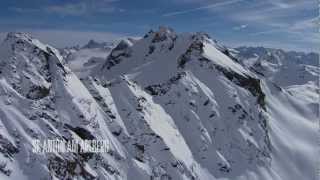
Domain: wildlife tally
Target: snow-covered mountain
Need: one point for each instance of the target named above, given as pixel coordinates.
(284, 68)
(92, 44)
(82, 60)
(173, 106)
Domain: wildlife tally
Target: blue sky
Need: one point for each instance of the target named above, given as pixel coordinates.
(288, 24)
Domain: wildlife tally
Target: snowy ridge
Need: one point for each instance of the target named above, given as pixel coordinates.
(174, 106)
(41, 98)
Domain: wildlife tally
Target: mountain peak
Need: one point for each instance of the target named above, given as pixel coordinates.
(123, 44)
(18, 36)
(22, 40)
(92, 44)
(163, 33)
(165, 29)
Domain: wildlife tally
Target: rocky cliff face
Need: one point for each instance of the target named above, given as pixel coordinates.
(172, 106)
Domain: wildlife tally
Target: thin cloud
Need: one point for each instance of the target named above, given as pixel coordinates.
(74, 9)
(23, 10)
(210, 6)
(274, 16)
(312, 23)
(301, 26)
(303, 33)
(238, 28)
(265, 32)
(280, 4)
(68, 9)
(272, 11)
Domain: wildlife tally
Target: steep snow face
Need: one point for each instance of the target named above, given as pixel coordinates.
(213, 106)
(294, 127)
(228, 116)
(26, 67)
(166, 51)
(283, 68)
(40, 98)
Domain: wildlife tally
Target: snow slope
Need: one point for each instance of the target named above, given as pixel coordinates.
(41, 98)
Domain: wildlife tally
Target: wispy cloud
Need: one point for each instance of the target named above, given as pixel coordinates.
(312, 23)
(305, 30)
(265, 32)
(279, 16)
(210, 6)
(74, 9)
(68, 9)
(238, 28)
(23, 10)
(281, 3)
(274, 12)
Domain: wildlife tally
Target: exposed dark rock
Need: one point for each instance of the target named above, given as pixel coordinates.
(38, 92)
(213, 114)
(151, 49)
(140, 151)
(7, 148)
(121, 51)
(195, 47)
(4, 170)
(224, 168)
(247, 82)
(162, 89)
(117, 133)
(81, 132)
(206, 102)
(68, 168)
